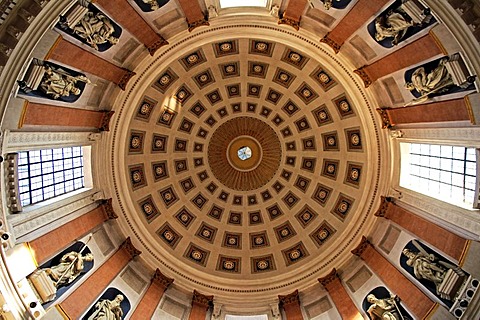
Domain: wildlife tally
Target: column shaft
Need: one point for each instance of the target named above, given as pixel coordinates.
(418, 303)
(193, 13)
(293, 13)
(49, 244)
(69, 54)
(291, 306)
(123, 13)
(353, 20)
(200, 305)
(446, 241)
(420, 50)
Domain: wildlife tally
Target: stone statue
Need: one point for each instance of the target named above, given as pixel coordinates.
(393, 25)
(327, 4)
(58, 83)
(153, 4)
(384, 309)
(96, 28)
(436, 81)
(108, 310)
(70, 267)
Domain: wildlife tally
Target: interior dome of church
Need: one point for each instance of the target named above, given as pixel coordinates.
(240, 160)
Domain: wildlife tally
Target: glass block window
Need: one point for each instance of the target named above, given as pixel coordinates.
(242, 3)
(448, 173)
(44, 174)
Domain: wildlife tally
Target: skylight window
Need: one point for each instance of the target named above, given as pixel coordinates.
(242, 3)
(259, 317)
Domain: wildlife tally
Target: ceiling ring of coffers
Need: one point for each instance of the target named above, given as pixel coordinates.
(190, 274)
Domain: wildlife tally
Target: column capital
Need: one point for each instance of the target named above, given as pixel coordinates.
(329, 278)
(202, 299)
(161, 279)
(289, 298)
(360, 249)
(195, 24)
(364, 75)
(386, 121)
(105, 121)
(153, 47)
(385, 204)
(127, 245)
(108, 209)
(330, 42)
(125, 78)
(289, 21)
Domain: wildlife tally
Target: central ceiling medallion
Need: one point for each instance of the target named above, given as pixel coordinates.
(244, 153)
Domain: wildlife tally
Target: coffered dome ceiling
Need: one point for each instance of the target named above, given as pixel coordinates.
(280, 213)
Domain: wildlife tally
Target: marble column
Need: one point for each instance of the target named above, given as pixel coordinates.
(36, 114)
(48, 245)
(69, 54)
(293, 13)
(291, 306)
(200, 305)
(422, 49)
(417, 302)
(151, 298)
(123, 13)
(443, 239)
(339, 295)
(193, 13)
(353, 20)
(79, 300)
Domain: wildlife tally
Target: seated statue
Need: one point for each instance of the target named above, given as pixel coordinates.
(96, 28)
(328, 4)
(384, 309)
(392, 25)
(58, 83)
(108, 310)
(436, 81)
(70, 267)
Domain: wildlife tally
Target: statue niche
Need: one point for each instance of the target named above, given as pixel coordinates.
(443, 76)
(380, 304)
(54, 277)
(89, 25)
(440, 276)
(112, 305)
(51, 81)
(399, 21)
(151, 5)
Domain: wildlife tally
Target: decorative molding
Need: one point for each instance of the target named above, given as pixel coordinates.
(202, 299)
(108, 209)
(289, 298)
(161, 279)
(365, 77)
(329, 278)
(153, 47)
(386, 121)
(295, 24)
(122, 84)
(127, 245)
(19, 141)
(198, 23)
(104, 123)
(335, 46)
(384, 205)
(360, 249)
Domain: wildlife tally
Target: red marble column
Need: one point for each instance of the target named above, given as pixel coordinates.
(340, 297)
(200, 305)
(123, 13)
(441, 238)
(441, 111)
(77, 302)
(44, 247)
(193, 13)
(36, 114)
(291, 306)
(69, 54)
(151, 299)
(353, 20)
(293, 13)
(418, 303)
(420, 50)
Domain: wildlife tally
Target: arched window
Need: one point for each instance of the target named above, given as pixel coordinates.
(48, 173)
(448, 173)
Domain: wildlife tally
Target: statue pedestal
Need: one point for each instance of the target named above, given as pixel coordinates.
(43, 286)
(75, 15)
(414, 11)
(34, 77)
(458, 70)
(450, 285)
